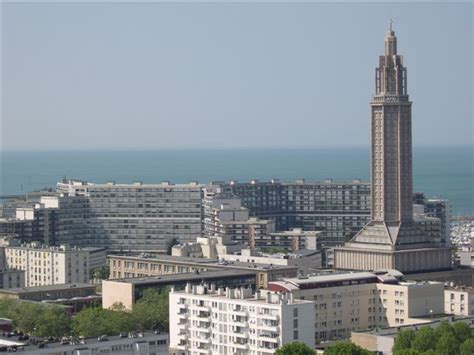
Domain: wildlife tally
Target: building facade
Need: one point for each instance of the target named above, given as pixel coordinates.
(48, 265)
(346, 302)
(139, 217)
(126, 266)
(459, 301)
(237, 321)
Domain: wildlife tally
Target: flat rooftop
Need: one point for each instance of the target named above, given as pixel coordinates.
(182, 277)
(60, 287)
(203, 262)
(393, 331)
(57, 347)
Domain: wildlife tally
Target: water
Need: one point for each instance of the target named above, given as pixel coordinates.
(438, 171)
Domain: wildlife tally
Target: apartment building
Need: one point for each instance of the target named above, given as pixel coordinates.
(126, 266)
(339, 208)
(56, 220)
(438, 208)
(459, 301)
(346, 302)
(139, 217)
(48, 265)
(207, 320)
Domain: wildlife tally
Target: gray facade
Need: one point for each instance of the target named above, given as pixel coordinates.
(139, 217)
(340, 209)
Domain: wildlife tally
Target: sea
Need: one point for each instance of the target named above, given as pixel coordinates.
(446, 172)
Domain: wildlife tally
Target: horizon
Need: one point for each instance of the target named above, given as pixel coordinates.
(164, 149)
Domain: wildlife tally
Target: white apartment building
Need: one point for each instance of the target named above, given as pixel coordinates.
(346, 302)
(204, 320)
(48, 265)
(459, 301)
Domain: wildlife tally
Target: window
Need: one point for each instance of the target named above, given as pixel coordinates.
(295, 323)
(295, 313)
(295, 334)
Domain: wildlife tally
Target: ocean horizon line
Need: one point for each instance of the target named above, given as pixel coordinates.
(207, 149)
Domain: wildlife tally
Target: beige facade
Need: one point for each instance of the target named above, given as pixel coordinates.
(347, 302)
(459, 301)
(48, 265)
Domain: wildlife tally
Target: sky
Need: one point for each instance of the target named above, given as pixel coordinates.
(226, 75)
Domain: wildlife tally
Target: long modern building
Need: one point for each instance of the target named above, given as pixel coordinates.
(392, 239)
(139, 217)
(126, 266)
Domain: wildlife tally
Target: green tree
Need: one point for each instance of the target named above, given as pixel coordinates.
(275, 250)
(93, 321)
(425, 339)
(52, 322)
(444, 328)
(403, 340)
(101, 273)
(6, 307)
(170, 245)
(25, 316)
(447, 344)
(345, 348)
(121, 319)
(151, 311)
(406, 352)
(467, 347)
(462, 331)
(295, 348)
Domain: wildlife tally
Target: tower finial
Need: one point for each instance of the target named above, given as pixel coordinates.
(390, 23)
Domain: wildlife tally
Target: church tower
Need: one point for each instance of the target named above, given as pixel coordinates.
(392, 239)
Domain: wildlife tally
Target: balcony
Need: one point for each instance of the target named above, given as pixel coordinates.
(271, 328)
(275, 317)
(269, 338)
(240, 312)
(183, 325)
(240, 346)
(202, 308)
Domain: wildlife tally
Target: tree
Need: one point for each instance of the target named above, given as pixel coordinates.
(101, 273)
(403, 340)
(295, 348)
(447, 345)
(53, 322)
(25, 316)
(170, 245)
(345, 348)
(406, 352)
(425, 339)
(467, 347)
(151, 311)
(462, 331)
(276, 250)
(6, 307)
(92, 321)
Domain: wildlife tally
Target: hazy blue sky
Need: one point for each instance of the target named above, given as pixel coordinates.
(162, 75)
